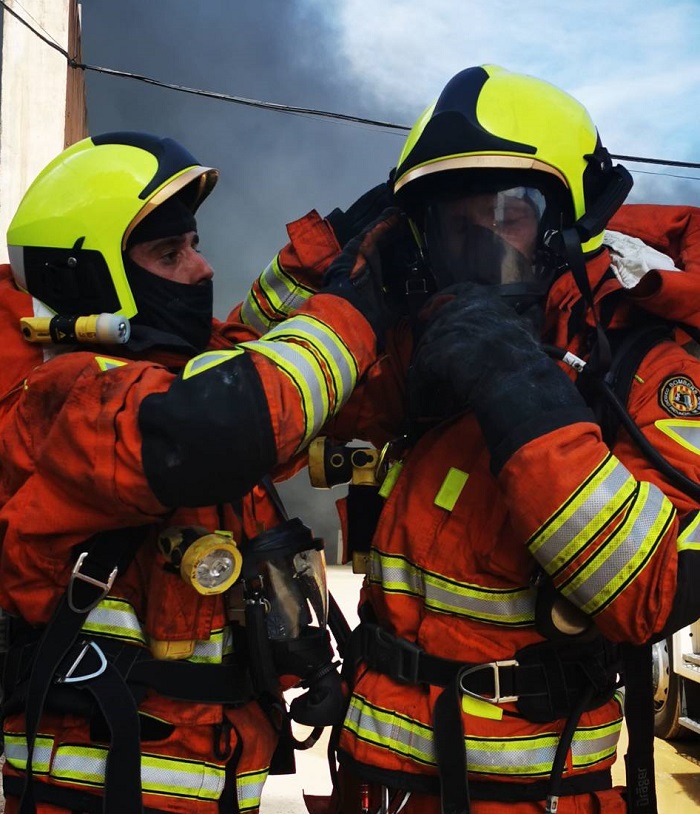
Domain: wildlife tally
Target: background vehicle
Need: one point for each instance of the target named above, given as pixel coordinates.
(676, 665)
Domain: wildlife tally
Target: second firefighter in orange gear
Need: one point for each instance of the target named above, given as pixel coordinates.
(506, 485)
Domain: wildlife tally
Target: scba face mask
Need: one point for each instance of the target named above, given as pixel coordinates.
(285, 590)
(491, 237)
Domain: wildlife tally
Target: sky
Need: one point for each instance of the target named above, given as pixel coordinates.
(636, 66)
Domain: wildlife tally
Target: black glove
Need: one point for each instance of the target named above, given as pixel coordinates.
(360, 214)
(480, 355)
(356, 274)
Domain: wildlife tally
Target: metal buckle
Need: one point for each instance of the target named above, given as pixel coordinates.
(77, 574)
(70, 678)
(497, 698)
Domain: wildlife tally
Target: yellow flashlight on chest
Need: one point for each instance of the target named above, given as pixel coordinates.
(208, 561)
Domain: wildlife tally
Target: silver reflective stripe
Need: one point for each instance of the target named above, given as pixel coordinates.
(523, 755)
(16, 752)
(514, 607)
(618, 561)
(116, 618)
(249, 788)
(281, 293)
(86, 765)
(584, 515)
(342, 365)
(212, 651)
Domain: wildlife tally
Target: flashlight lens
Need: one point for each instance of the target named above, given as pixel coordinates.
(214, 568)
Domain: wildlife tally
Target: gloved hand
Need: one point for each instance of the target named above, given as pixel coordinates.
(356, 274)
(480, 355)
(365, 210)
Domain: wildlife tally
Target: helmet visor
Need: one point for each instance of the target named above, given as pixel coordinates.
(487, 237)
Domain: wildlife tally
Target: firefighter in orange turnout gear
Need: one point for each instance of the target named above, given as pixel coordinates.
(143, 672)
(517, 550)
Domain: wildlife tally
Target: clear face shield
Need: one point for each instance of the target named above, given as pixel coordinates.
(490, 238)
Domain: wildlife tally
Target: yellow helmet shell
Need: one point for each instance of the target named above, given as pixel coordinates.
(66, 239)
(489, 118)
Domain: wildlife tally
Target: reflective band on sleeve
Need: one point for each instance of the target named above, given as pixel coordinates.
(512, 607)
(318, 363)
(274, 295)
(249, 788)
(689, 538)
(525, 755)
(599, 499)
(16, 752)
(625, 553)
(602, 537)
(85, 765)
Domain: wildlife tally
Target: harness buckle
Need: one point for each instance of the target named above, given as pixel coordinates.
(396, 657)
(69, 677)
(495, 666)
(76, 574)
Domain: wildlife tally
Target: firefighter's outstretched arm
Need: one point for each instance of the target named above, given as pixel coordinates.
(232, 415)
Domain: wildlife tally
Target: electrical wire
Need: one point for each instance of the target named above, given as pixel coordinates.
(290, 109)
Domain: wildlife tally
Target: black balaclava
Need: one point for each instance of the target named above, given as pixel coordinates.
(169, 313)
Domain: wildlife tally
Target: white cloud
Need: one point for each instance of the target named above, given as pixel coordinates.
(636, 67)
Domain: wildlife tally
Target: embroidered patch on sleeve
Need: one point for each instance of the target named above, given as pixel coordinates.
(679, 396)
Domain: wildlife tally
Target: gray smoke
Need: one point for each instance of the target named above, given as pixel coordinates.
(274, 167)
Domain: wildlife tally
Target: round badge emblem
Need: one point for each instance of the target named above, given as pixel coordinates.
(679, 396)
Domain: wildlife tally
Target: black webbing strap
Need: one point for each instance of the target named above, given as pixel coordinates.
(451, 754)
(105, 555)
(639, 715)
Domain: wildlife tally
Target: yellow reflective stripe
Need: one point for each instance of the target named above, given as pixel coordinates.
(389, 730)
(683, 432)
(616, 563)
(208, 360)
(16, 752)
(451, 489)
(213, 650)
(587, 512)
(249, 788)
(275, 297)
(513, 607)
(85, 765)
(525, 756)
(334, 352)
(115, 618)
(318, 363)
(689, 538)
(105, 363)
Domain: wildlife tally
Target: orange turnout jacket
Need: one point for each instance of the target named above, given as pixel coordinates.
(72, 442)
(457, 549)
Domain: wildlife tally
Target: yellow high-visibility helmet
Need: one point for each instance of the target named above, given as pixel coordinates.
(490, 120)
(66, 239)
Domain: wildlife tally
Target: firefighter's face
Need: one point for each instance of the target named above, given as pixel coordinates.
(485, 237)
(175, 258)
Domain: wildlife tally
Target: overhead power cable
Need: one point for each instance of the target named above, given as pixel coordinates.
(282, 108)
